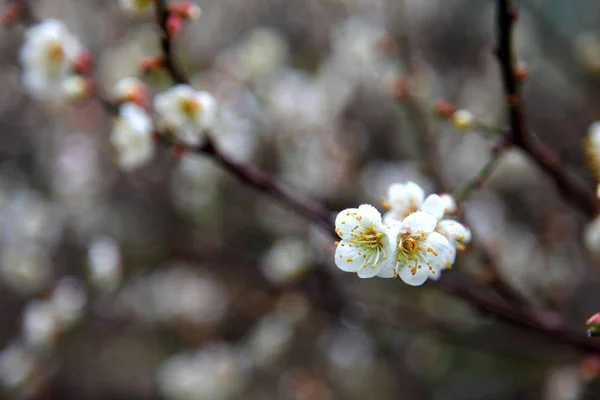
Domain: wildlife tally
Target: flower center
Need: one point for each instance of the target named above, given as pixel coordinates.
(410, 252)
(190, 107)
(55, 54)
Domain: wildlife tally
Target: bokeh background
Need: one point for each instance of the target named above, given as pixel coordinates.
(176, 281)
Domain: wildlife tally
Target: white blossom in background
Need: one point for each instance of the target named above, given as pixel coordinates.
(104, 263)
(40, 324)
(215, 372)
(463, 120)
(132, 90)
(269, 339)
(137, 6)
(17, 365)
(365, 244)
(74, 87)
(48, 56)
(68, 300)
(263, 52)
(286, 260)
(592, 148)
(25, 268)
(448, 203)
(419, 252)
(186, 113)
(351, 355)
(175, 294)
(402, 200)
(591, 235)
(132, 138)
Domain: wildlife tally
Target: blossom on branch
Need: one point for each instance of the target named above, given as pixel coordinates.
(48, 57)
(365, 244)
(132, 137)
(186, 113)
(403, 199)
(419, 252)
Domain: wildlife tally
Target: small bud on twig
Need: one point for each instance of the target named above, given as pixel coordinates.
(400, 89)
(521, 71)
(175, 24)
(84, 63)
(152, 64)
(186, 10)
(593, 325)
(444, 109)
(11, 15)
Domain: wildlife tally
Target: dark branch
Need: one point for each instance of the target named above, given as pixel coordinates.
(162, 17)
(571, 188)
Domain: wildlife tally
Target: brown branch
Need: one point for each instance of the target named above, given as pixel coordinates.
(162, 16)
(478, 297)
(571, 188)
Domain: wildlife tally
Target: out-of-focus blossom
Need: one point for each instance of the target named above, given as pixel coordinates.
(137, 6)
(269, 339)
(68, 300)
(419, 252)
(75, 88)
(591, 236)
(351, 354)
(131, 90)
(48, 56)
(40, 324)
(175, 294)
(463, 120)
(104, 263)
(262, 53)
(215, 372)
(16, 366)
(26, 268)
(286, 260)
(448, 203)
(402, 199)
(186, 113)
(365, 245)
(132, 138)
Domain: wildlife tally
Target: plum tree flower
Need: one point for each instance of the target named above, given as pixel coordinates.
(402, 199)
(186, 113)
(592, 148)
(132, 137)
(131, 89)
(48, 57)
(365, 244)
(419, 251)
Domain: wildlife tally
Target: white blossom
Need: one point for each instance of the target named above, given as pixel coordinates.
(68, 300)
(40, 323)
(463, 120)
(130, 89)
(591, 236)
(132, 137)
(402, 199)
(16, 366)
(48, 56)
(215, 372)
(365, 244)
(419, 252)
(186, 113)
(104, 263)
(448, 203)
(286, 260)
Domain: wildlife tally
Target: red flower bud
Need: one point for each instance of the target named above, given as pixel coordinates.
(444, 109)
(84, 63)
(175, 24)
(151, 64)
(186, 9)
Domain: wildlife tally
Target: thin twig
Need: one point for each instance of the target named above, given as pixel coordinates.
(570, 188)
(481, 177)
(162, 17)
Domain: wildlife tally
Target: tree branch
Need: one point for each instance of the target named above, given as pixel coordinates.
(570, 188)
(166, 44)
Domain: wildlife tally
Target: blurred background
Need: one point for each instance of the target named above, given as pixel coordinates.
(176, 281)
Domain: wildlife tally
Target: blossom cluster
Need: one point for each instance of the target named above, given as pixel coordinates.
(413, 240)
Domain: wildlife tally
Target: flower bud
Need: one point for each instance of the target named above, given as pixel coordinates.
(175, 24)
(593, 325)
(462, 120)
(131, 90)
(186, 9)
(11, 15)
(400, 89)
(84, 63)
(521, 72)
(443, 108)
(152, 64)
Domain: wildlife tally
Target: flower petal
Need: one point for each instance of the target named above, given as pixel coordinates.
(420, 221)
(347, 258)
(441, 251)
(370, 214)
(434, 205)
(417, 279)
(414, 194)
